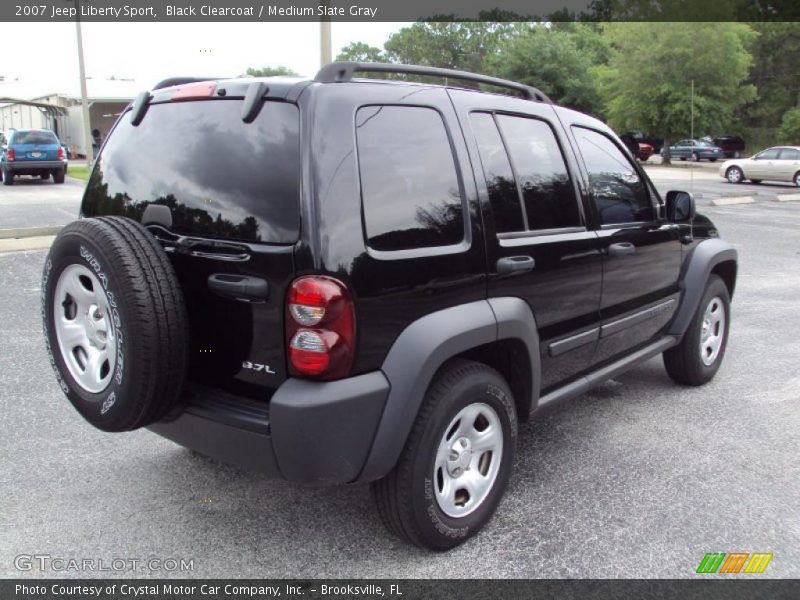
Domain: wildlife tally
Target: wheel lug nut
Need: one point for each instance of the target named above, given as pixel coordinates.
(98, 315)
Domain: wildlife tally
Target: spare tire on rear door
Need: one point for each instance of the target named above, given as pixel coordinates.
(115, 322)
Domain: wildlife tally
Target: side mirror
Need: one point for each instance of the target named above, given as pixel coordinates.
(680, 207)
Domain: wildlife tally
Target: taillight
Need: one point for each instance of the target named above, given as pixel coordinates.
(320, 327)
(10, 155)
(60, 153)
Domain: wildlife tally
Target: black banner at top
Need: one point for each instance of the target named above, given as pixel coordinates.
(408, 10)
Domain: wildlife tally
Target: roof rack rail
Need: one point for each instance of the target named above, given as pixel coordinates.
(170, 81)
(338, 72)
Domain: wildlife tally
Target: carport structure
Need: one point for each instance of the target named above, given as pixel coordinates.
(12, 114)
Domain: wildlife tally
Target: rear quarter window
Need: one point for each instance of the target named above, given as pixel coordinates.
(220, 177)
(409, 184)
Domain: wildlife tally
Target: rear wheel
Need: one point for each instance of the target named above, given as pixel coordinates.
(58, 176)
(115, 323)
(457, 460)
(734, 175)
(697, 358)
(8, 176)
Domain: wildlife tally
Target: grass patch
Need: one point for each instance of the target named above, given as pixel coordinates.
(79, 172)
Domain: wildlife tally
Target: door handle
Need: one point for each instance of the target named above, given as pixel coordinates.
(515, 264)
(239, 287)
(621, 249)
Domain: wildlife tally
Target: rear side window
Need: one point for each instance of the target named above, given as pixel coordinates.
(34, 137)
(790, 154)
(619, 193)
(220, 176)
(531, 191)
(409, 183)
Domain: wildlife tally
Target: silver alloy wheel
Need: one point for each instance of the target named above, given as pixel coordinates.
(734, 175)
(84, 330)
(468, 459)
(712, 334)
(797, 179)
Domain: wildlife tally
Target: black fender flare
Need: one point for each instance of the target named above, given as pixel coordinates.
(696, 270)
(423, 347)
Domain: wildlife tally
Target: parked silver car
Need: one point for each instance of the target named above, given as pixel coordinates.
(781, 163)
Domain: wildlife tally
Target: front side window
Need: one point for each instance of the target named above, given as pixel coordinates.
(532, 191)
(770, 154)
(620, 195)
(409, 183)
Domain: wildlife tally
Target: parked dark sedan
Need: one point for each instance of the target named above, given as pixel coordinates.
(695, 150)
(732, 146)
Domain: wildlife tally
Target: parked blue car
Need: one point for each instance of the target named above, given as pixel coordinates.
(695, 150)
(35, 152)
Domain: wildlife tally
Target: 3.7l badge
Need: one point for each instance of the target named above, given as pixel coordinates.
(257, 367)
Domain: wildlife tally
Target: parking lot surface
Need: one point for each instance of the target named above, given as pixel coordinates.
(638, 478)
(31, 202)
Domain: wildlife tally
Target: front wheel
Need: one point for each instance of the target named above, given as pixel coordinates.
(697, 358)
(734, 175)
(456, 463)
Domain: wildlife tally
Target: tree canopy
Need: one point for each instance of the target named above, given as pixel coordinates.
(270, 71)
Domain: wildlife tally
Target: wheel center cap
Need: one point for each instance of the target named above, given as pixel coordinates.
(460, 457)
(95, 326)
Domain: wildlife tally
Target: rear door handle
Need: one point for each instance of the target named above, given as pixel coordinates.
(239, 287)
(515, 264)
(621, 249)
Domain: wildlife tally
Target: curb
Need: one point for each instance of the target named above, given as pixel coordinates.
(27, 232)
(29, 243)
(732, 200)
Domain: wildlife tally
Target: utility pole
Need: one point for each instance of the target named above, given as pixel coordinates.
(325, 51)
(87, 128)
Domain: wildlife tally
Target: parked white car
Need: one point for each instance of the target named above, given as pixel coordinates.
(781, 163)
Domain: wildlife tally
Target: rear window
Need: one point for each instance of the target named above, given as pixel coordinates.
(34, 137)
(220, 176)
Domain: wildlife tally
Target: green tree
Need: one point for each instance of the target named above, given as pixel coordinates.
(453, 44)
(647, 83)
(557, 60)
(361, 52)
(789, 132)
(270, 71)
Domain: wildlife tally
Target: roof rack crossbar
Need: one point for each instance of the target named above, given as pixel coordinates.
(338, 72)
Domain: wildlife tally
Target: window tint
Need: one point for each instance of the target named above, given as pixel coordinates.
(770, 154)
(790, 154)
(619, 193)
(34, 137)
(409, 184)
(503, 194)
(221, 177)
(547, 194)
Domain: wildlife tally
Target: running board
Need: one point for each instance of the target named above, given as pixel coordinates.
(587, 382)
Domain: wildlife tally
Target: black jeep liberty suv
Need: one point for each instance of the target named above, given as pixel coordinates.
(347, 280)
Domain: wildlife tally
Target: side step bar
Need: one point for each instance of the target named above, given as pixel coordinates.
(595, 378)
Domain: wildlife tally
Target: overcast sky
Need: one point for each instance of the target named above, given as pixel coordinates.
(45, 53)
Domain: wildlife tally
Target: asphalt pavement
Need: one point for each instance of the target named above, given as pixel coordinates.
(638, 478)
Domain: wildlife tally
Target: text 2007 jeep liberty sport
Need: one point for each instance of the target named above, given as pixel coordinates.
(350, 280)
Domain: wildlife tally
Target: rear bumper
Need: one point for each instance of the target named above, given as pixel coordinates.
(310, 432)
(18, 166)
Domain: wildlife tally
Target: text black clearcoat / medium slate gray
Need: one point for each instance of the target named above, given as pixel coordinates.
(553, 309)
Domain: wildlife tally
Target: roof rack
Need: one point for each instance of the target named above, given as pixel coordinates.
(169, 82)
(338, 72)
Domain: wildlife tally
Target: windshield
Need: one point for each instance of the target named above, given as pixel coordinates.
(34, 137)
(220, 177)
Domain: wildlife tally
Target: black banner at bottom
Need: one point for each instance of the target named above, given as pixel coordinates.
(398, 589)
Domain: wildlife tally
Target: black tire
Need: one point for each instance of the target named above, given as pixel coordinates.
(683, 158)
(146, 319)
(45, 175)
(58, 176)
(406, 496)
(734, 175)
(684, 362)
(712, 159)
(797, 179)
(8, 177)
